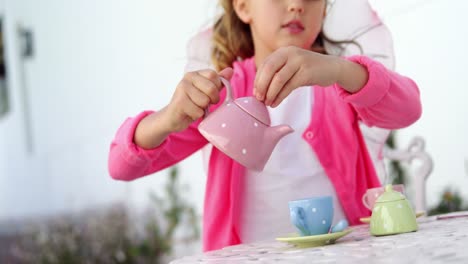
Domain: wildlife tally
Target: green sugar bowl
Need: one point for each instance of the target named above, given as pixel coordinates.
(392, 214)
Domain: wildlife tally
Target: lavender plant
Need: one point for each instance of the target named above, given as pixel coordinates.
(110, 235)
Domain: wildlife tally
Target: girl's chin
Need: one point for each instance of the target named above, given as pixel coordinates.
(296, 44)
(300, 43)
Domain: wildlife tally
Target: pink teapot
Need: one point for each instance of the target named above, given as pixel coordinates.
(241, 129)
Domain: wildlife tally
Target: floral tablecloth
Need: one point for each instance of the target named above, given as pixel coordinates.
(440, 239)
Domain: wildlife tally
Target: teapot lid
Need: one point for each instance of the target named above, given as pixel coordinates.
(390, 195)
(255, 108)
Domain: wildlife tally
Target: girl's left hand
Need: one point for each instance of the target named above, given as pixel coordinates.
(289, 68)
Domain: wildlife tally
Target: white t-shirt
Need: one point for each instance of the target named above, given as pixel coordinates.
(292, 172)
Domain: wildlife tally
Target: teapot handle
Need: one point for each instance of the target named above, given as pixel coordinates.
(228, 94)
(364, 201)
(298, 218)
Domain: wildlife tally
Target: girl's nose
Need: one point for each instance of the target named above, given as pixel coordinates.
(296, 6)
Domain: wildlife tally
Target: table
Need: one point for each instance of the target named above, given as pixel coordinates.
(440, 239)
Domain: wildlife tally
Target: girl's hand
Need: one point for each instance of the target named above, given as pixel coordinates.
(194, 93)
(289, 68)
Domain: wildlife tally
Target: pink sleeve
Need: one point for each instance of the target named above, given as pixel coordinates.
(388, 100)
(127, 161)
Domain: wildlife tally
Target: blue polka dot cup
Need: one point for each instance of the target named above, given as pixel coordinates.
(312, 216)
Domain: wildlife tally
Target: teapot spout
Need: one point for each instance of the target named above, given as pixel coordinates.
(271, 136)
(277, 132)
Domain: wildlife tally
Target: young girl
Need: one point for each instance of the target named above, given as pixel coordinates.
(275, 49)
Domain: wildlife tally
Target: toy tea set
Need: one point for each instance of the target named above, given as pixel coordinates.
(241, 129)
(313, 218)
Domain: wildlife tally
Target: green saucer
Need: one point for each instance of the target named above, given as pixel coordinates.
(313, 241)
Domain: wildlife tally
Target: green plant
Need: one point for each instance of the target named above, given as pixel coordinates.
(450, 201)
(173, 208)
(110, 235)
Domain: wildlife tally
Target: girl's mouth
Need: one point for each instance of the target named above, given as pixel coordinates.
(294, 27)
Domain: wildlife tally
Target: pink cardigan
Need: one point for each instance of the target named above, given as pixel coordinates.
(388, 100)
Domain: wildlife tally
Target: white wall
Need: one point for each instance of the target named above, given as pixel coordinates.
(97, 62)
(430, 44)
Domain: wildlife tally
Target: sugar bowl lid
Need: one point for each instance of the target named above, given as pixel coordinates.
(390, 195)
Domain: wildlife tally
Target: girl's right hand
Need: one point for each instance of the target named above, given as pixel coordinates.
(194, 93)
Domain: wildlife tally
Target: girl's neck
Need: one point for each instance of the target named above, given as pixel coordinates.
(260, 56)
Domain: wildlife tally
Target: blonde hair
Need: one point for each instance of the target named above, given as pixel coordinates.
(232, 38)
